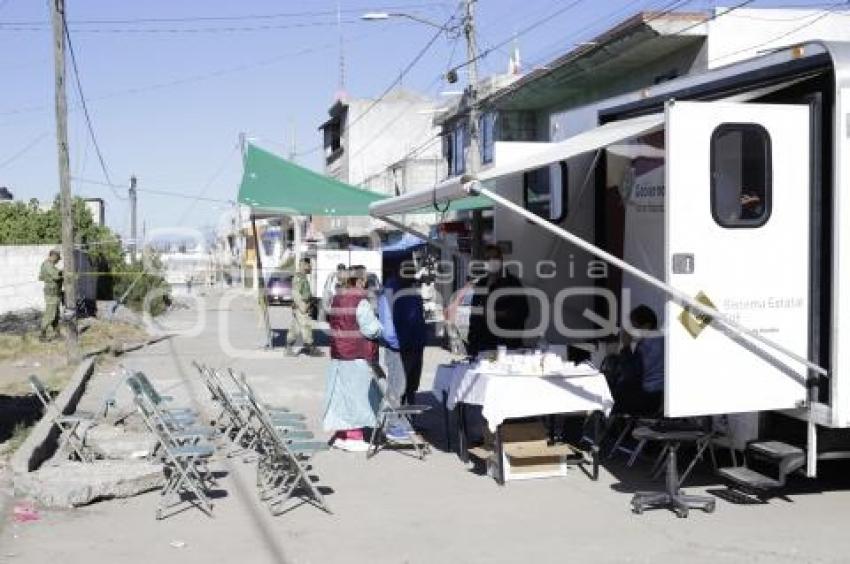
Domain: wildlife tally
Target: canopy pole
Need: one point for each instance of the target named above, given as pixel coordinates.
(261, 285)
(666, 288)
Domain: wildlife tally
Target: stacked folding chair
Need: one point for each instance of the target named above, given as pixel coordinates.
(69, 426)
(184, 447)
(237, 420)
(285, 452)
(391, 413)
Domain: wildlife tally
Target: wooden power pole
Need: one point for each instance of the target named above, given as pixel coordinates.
(134, 242)
(66, 202)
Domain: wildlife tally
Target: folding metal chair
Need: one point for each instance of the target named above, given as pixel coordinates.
(230, 418)
(185, 466)
(181, 426)
(285, 454)
(68, 425)
(389, 414)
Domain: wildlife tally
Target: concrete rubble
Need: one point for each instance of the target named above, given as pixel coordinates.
(72, 484)
(117, 443)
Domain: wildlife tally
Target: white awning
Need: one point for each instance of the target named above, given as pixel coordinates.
(450, 190)
(528, 156)
(584, 142)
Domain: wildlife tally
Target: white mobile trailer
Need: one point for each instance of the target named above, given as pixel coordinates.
(751, 222)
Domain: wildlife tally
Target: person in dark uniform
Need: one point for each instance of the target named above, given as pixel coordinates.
(492, 315)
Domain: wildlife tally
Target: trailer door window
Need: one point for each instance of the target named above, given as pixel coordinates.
(741, 180)
(545, 191)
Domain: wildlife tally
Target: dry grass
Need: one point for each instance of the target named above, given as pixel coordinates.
(98, 333)
(22, 355)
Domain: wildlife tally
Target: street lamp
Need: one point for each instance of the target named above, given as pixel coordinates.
(467, 27)
(382, 16)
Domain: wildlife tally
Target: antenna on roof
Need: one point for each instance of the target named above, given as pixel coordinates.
(340, 94)
(515, 63)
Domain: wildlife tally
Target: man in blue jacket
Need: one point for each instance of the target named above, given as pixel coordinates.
(402, 317)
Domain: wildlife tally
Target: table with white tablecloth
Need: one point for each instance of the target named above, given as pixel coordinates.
(579, 390)
(509, 396)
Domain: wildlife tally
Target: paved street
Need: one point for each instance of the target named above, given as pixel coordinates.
(398, 509)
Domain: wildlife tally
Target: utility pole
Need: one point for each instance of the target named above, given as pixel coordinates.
(238, 239)
(66, 202)
(297, 221)
(473, 163)
(473, 160)
(134, 242)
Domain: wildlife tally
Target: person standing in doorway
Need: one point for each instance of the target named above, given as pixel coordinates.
(51, 276)
(499, 307)
(301, 323)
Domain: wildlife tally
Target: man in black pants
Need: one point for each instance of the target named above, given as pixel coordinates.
(501, 295)
(409, 320)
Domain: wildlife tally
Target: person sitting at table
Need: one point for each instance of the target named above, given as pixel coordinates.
(638, 385)
(352, 398)
(492, 316)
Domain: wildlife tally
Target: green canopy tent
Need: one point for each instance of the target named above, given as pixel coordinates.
(274, 186)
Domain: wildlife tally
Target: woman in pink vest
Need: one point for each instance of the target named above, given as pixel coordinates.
(352, 398)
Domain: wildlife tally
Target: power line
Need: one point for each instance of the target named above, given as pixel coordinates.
(206, 185)
(665, 11)
(159, 192)
(819, 17)
(178, 30)
(203, 76)
(520, 33)
(232, 18)
(86, 109)
(24, 150)
(392, 85)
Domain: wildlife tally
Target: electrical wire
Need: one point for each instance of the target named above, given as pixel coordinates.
(668, 9)
(24, 150)
(203, 76)
(518, 34)
(236, 18)
(207, 184)
(85, 108)
(392, 85)
(159, 192)
(178, 30)
(819, 17)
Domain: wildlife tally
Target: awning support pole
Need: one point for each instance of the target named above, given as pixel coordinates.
(261, 285)
(678, 296)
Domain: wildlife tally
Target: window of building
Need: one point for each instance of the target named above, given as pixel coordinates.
(487, 132)
(741, 175)
(545, 191)
(448, 152)
(333, 138)
(458, 150)
(516, 126)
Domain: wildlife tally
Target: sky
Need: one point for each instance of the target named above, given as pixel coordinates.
(170, 84)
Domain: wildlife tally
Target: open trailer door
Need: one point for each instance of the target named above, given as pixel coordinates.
(737, 239)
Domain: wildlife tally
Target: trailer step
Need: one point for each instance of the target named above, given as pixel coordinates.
(750, 479)
(775, 449)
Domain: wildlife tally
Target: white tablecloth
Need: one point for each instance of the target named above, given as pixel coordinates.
(506, 397)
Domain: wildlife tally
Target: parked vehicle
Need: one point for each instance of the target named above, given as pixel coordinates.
(279, 289)
(720, 201)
